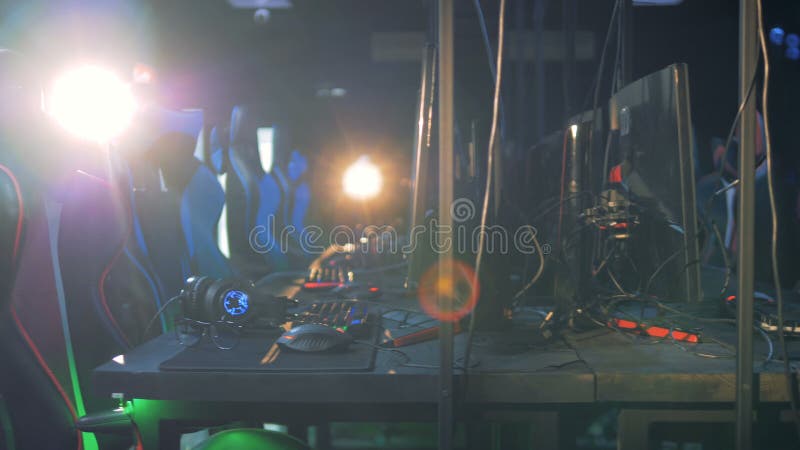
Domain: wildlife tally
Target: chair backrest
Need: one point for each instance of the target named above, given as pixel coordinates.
(62, 313)
(12, 218)
(217, 150)
(37, 369)
(22, 380)
(215, 157)
(254, 200)
(201, 200)
(296, 171)
(177, 200)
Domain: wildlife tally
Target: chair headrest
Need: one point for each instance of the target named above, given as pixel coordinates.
(152, 123)
(173, 152)
(245, 122)
(243, 127)
(218, 144)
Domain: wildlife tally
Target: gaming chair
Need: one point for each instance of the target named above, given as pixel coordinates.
(253, 197)
(51, 321)
(176, 201)
(216, 152)
(296, 201)
(62, 320)
(199, 199)
(12, 219)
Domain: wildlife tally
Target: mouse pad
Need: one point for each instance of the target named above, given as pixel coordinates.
(260, 354)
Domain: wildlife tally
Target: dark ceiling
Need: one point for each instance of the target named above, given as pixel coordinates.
(210, 55)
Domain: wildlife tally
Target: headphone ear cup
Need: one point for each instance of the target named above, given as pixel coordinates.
(195, 287)
(213, 296)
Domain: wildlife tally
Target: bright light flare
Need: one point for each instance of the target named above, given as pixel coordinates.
(92, 102)
(362, 180)
(448, 290)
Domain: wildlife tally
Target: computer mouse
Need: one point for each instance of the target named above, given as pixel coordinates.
(312, 337)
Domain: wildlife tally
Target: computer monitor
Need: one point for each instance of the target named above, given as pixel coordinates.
(556, 188)
(652, 123)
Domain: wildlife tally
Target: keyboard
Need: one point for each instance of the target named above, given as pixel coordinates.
(351, 316)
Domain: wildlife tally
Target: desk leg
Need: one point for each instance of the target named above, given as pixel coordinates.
(324, 436)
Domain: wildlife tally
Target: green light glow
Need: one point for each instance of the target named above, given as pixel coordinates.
(53, 212)
(251, 439)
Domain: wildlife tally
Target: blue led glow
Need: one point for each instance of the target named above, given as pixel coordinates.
(792, 40)
(235, 302)
(776, 35)
(793, 53)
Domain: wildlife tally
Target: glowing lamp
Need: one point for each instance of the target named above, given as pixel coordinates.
(362, 180)
(776, 35)
(92, 103)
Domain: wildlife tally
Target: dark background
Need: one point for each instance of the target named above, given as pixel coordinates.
(210, 55)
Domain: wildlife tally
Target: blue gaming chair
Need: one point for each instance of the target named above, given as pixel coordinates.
(254, 197)
(296, 199)
(200, 199)
(177, 201)
(216, 154)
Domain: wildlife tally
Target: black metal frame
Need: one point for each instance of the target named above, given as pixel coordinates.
(748, 63)
(446, 140)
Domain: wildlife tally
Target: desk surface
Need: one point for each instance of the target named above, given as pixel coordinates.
(510, 368)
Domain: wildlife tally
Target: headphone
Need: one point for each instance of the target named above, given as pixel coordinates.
(207, 299)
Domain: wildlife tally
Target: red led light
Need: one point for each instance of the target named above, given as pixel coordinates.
(626, 324)
(657, 332)
(654, 331)
(615, 176)
(321, 285)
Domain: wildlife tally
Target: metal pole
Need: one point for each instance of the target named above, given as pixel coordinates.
(748, 62)
(445, 86)
(422, 146)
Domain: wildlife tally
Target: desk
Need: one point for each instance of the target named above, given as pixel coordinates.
(514, 372)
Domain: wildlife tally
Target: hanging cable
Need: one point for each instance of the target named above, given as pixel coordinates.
(539, 271)
(598, 77)
(599, 80)
(158, 314)
(728, 141)
(490, 55)
(774, 217)
(489, 168)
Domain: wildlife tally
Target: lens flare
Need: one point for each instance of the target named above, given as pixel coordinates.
(448, 291)
(362, 180)
(92, 103)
